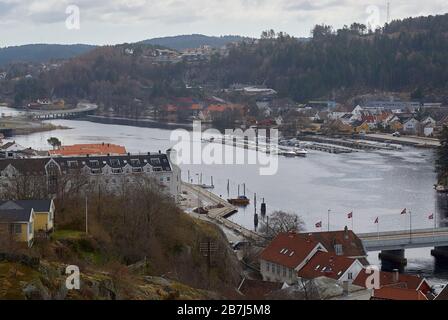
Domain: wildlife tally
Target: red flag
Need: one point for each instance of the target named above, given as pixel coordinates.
(319, 224)
(431, 216)
(350, 215)
(377, 220)
(404, 211)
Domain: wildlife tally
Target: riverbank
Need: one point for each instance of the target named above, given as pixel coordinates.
(16, 127)
(143, 123)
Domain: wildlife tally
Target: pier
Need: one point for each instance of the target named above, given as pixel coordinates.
(220, 210)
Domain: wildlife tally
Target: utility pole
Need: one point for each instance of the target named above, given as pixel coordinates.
(87, 220)
(388, 12)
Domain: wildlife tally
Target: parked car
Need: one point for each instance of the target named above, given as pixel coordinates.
(396, 134)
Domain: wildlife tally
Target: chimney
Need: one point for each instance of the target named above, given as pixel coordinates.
(346, 233)
(395, 276)
(345, 289)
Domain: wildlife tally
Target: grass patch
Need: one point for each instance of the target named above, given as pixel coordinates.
(67, 235)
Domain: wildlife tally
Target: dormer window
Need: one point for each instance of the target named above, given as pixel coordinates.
(94, 163)
(135, 162)
(72, 164)
(115, 162)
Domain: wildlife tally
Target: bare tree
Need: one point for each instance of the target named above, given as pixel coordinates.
(281, 221)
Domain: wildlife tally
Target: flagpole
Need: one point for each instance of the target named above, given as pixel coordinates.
(329, 220)
(410, 225)
(378, 228)
(353, 218)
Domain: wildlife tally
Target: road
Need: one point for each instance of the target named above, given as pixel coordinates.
(418, 141)
(404, 239)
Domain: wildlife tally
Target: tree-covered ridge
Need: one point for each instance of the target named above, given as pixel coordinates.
(41, 52)
(401, 56)
(407, 56)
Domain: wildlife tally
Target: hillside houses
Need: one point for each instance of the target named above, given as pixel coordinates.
(299, 259)
(293, 256)
(423, 122)
(188, 109)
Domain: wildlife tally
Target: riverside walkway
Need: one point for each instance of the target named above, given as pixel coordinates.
(220, 210)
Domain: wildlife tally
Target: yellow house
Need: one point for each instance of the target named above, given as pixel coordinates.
(17, 222)
(22, 219)
(363, 128)
(396, 126)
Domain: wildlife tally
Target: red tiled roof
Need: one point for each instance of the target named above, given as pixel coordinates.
(90, 149)
(324, 264)
(392, 293)
(405, 281)
(351, 244)
(288, 249)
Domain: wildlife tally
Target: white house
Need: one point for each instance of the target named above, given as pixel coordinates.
(12, 146)
(411, 126)
(285, 256)
(325, 264)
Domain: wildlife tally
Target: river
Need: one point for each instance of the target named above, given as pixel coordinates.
(369, 184)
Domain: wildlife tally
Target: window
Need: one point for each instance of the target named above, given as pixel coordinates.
(95, 171)
(168, 179)
(117, 170)
(278, 269)
(30, 228)
(94, 163)
(155, 161)
(290, 273)
(284, 271)
(72, 164)
(114, 162)
(338, 249)
(15, 228)
(267, 266)
(135, 162)
(350, 276)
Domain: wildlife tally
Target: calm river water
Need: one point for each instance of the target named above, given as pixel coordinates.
(371, 184)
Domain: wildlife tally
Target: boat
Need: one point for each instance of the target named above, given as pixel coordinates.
(301, 152)
(441, 188)
(289, 154)
(241, 201)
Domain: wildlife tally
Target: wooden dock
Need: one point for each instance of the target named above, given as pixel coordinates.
(221, 211)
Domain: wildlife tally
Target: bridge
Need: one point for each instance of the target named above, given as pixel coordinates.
(399, 240)
(393, 244)
(80, 110)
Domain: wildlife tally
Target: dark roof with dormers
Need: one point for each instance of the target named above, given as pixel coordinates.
(37, 165)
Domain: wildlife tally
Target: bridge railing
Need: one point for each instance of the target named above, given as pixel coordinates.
(401, 232)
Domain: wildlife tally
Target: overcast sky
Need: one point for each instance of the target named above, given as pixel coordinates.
(118, 21)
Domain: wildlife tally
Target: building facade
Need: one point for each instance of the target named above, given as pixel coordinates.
(108, 172)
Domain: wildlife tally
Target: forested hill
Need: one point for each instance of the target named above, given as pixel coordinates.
(401, 56)
(41, 52)
(192, 41)
(407, 56)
